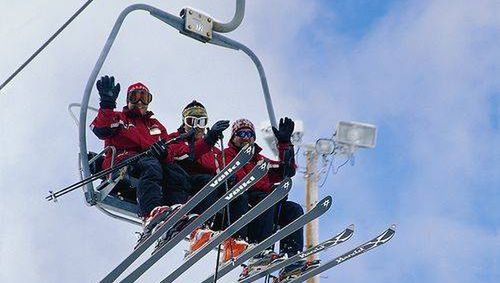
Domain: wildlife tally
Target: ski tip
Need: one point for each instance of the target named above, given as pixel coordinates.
(287, 183)
(326, 202)
(393, 227)
(351, 227)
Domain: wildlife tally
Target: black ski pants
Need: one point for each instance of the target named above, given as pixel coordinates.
(149, 188)
(286, 213)
(280, 215)
(237, 208)
(180, 186)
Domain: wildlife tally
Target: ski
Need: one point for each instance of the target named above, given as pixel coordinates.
(238, 162)
(378, 241)
(314, 213)
(259, 171)
(338, 239)
(274, 197)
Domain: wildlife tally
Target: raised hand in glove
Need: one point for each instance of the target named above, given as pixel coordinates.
(215, 132)
(284, 133)
(159, 150)
(108, 92)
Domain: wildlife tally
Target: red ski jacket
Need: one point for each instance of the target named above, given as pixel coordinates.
(275, 173)
(207, 163)
(131, 133)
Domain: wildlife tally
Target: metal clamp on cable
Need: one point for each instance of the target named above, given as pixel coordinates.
(197, 25)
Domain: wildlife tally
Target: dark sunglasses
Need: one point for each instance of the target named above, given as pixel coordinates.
(142, 95)
(246, 134)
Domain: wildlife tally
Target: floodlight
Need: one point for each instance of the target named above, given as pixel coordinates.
(354, 134)
(268, 136)
(325, 146)
(298, 132)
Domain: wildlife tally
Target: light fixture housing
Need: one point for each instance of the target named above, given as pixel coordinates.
(355, 134)
(325, 146)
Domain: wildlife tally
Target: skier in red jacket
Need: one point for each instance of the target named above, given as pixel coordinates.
(135, 130)
(188, 174)
(243, 132)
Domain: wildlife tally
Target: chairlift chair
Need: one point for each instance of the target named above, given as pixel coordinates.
(115, 195)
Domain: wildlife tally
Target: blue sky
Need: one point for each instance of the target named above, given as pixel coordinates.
(425, 72)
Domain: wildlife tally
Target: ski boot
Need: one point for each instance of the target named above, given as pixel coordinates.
(172, 232)
(233, 248)
(260, 262)
(150, 222)
(198, 238)
(295, 270)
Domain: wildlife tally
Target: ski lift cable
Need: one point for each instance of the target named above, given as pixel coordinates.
(46, 43)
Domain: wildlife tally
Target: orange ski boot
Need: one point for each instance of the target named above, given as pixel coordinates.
(198, 238)
(233, 248)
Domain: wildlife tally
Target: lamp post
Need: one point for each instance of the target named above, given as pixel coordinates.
(311, 176)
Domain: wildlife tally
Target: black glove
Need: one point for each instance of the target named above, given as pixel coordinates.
(215, 132)
(159, 150)
(108, 92)
(284, 134)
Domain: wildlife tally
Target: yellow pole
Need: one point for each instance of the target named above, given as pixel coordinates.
(312, 228)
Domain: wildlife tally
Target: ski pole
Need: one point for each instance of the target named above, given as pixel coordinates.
(223, 214)
(54, 195)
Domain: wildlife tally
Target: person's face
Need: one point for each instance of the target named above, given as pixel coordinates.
(198, 122)
(199, 132)
(143, 108)
(243, 137)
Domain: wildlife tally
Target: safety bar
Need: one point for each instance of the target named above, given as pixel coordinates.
(73, 105)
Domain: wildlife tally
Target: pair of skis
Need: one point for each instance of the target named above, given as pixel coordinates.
(375, 242)
(245, 154)
(268, 270)
(323, 206)
(274, 197)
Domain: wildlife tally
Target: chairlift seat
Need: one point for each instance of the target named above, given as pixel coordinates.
(120, 184)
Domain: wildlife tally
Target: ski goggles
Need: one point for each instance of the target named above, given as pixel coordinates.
(245, 134)
(193, 121)
(139, 94)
